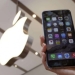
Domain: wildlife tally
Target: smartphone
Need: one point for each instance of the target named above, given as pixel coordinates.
(59, 37)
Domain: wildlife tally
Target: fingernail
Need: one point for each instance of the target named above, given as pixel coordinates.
(43, 44)
(43, 53)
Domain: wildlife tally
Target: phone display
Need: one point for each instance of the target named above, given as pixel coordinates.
(59, 33)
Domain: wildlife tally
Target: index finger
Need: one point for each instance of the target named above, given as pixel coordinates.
(42, 39)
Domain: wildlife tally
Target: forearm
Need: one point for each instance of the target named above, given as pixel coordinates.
(71, 72)
(66, 72)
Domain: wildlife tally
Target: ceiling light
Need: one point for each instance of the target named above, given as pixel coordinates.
(36, 53)
(34, 16)
(16, 66)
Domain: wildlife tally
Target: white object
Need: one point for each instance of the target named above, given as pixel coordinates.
(54, 18)
(13, 42)
(54, 24)
(55, 29)
(16, 18)
(34, 16)
(71, 41)
(50, 42)
(36, 53)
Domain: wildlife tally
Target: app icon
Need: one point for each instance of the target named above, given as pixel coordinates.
(57, 42)
(48, 24)
(64, 41)
(48, 19)
(67, 56)
(66, 18)
(68, 28)
(63, 35)
(54, 24)
(71, 41)
(52, 56)
(56, 36)
(73, 55)
(50, 42)
(49, 29)
(61, 23)
(55, 29)
(60, 56)
(69, 35)
(54, 18)
(50, 36)
(67, 23)
(60, 18)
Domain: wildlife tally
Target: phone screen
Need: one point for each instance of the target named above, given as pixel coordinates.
(59, 32)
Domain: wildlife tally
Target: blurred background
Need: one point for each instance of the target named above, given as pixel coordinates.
(32, 64)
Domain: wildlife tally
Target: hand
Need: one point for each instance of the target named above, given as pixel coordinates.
(63, 71)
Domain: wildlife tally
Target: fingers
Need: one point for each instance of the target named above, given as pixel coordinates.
(43, 44)
(42, 39)
(44, 61)
(44, 47)
(43, 55)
